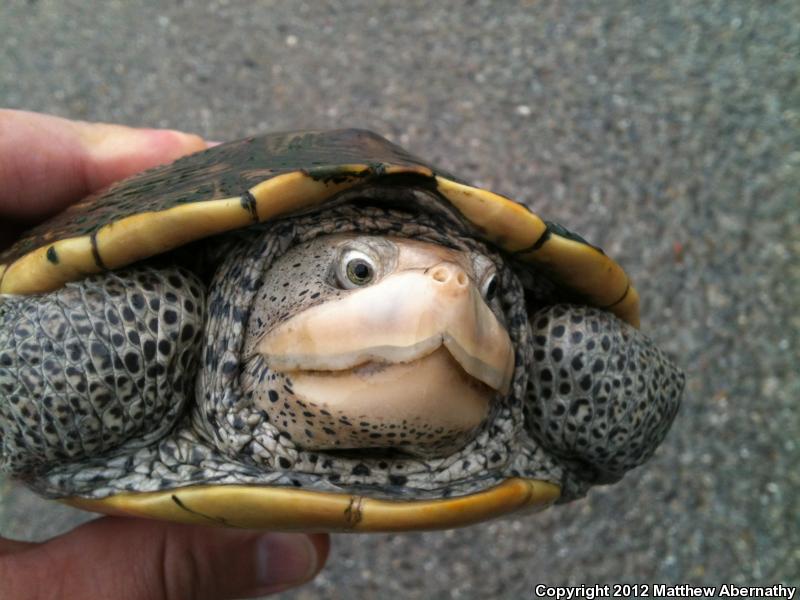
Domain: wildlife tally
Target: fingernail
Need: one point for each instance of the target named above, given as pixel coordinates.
(210, 144)
(285, 560)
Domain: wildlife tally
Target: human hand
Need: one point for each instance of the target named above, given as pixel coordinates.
(46, 163)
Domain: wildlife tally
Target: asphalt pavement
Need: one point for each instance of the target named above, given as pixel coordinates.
(667, 133)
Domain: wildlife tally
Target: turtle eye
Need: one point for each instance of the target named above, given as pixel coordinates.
(356, 269)
(489, 286)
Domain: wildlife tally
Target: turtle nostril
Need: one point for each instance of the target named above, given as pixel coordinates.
(441, 274)
(449, 273)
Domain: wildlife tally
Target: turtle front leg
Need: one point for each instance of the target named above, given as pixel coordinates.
(98, 362)
(601, 395)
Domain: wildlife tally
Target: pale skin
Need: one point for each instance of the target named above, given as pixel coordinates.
(46, 163)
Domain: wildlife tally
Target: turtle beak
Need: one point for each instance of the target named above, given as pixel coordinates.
(402, 318)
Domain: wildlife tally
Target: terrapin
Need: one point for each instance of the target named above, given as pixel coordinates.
(319, 331)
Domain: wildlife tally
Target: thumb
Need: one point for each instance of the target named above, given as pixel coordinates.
(47, 162)
(136, 559)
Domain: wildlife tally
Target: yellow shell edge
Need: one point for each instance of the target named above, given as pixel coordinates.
(577, 265)
(588, 271)
(504, 222)
(147, 234)
(293, 509)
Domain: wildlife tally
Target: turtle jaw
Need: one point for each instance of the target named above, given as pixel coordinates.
(412, 362)
(402, 319)
(425, 407)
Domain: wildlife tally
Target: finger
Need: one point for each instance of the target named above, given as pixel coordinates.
(134, 559)
(9, 546)
(47, 162)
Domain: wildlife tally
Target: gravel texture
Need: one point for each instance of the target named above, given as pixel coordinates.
(666, 132)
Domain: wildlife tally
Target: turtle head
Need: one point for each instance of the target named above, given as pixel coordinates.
(378, 342)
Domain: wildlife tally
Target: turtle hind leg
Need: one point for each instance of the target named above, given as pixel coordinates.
(601, 396)
(98, 362)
